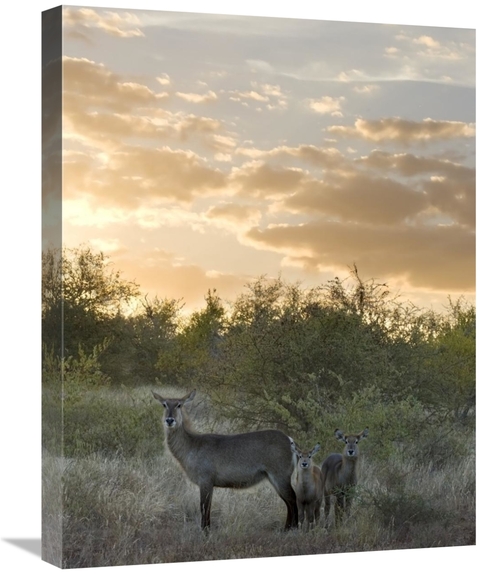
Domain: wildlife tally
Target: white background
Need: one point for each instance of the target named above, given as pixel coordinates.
(20, 475)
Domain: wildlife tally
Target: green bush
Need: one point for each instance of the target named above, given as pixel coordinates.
(401, 510)
(113, 423)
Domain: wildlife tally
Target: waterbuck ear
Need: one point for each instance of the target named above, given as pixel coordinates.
(293, 446)
(339, 434)
(364, 434)
(188, 398)
(158, 397)
(315, 449)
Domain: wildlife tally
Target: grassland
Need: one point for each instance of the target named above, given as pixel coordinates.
(126, 501)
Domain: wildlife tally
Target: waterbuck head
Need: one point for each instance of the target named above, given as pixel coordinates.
(304, 458)
(173, 409)
(351, 442)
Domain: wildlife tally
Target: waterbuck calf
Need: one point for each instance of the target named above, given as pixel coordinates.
(339, 473)
(229, 461)
(307, 482)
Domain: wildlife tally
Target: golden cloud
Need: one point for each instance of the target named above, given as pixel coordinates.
(259, 179)
(198, 98)
(120, 25)
(92, 84)
(326, 105)
(134, 175)
(359, 198)
(438, 258)
(234, 217)
(451, 189)
(404, 131)
(104, 110)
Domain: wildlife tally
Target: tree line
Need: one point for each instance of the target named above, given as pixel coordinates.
(279, 355)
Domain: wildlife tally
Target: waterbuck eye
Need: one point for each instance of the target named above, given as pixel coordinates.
(179, 405)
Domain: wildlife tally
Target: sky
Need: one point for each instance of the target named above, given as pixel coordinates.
(203, 151)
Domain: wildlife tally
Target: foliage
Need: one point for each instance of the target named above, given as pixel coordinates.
(155, 333)
(94, 420)
(194, 352)
(454, 361)
(80, 287)
(122, 424)
(344, 354)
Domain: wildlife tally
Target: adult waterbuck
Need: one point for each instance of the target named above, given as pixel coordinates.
(229, 461)
(339, 473)
(307, 482)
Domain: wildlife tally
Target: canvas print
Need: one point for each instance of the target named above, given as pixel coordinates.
(258, 298)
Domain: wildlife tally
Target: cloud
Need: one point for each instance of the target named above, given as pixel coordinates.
(366, 190)
(427, 41)
(165, 173)
(405, 131)
(326, 105)
(360, 198)
(104, 109)
(352, 76)
(134, 176)
(198, 98)
(438, 258)
(391, 51)
(456, 198)
(234, 217)
(164, 79)
(261, 66)
(450, 190)
(223, 144)
(366, 89)
(248, 95)
(410, 165)
(326, 158)
(431, 49)
(271, 90)
(433, 57)
(89, 84)
(262, 180)
(269, 94)
(84, 20)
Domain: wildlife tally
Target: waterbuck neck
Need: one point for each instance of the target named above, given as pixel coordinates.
(348, 467)
(181, 439)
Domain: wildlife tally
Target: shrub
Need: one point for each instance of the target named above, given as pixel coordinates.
(117, 422)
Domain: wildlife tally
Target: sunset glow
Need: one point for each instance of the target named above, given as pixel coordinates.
(204, 151)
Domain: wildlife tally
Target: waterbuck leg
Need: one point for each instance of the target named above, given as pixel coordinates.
(309, 517)
(300, 508)
(348, 500)
(317, 512)
(327, 507)
(287, 494)
(292, 516)
(339, 506)
(205, 504)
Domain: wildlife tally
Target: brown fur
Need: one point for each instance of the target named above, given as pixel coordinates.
(307, 482)
(339, 474)
(229, 461)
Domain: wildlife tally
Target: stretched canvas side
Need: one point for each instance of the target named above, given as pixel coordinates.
(52, 332)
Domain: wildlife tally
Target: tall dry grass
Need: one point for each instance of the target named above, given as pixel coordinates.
(137, 507)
